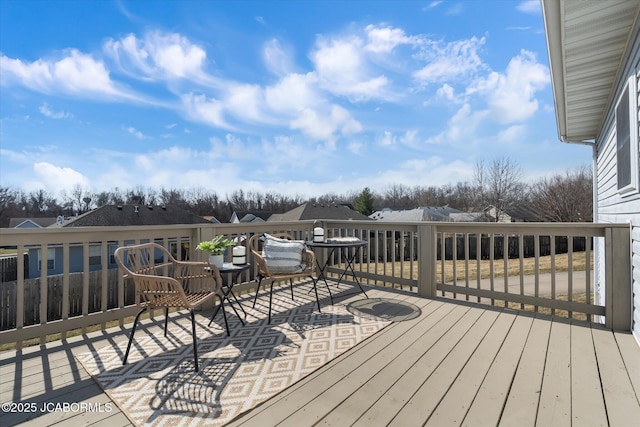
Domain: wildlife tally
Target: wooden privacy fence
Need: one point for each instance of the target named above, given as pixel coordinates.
(513, 246)
(9, 293)
(398, 245)
(9, 268)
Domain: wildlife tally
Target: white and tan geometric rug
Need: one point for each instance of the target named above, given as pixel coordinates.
(159, 386)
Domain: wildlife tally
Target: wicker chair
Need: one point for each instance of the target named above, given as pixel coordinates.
(167, 283)
(256, 244)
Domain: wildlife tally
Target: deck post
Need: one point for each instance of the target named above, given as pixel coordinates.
(427, 248)
(618, 278)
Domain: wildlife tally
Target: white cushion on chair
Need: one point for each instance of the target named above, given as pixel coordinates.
(283, 256)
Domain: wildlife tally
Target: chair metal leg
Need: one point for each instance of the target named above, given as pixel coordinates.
(166, 320)
(257, 291)
(315, 288)
(133, 331)
(224, 314)
(195, 343)
(270, 300)
(291, 286)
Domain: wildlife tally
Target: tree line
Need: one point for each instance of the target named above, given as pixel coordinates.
(499, 183)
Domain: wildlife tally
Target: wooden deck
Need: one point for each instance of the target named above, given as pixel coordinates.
(441, 363)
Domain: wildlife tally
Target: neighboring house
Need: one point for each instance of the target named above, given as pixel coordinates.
(519, 212)
(124, 215)
(427, 213)
(318, 211)
(31, 222)
(109, 216)
(212, 219)
(594, 52)
(468, 217)
(250, 217)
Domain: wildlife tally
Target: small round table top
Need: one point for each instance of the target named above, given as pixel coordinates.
(337, 244)
(229, 267)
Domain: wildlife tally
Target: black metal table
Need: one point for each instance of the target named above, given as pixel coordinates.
(227, 289)
(348, 258)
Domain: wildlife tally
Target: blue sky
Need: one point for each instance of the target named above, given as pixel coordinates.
(292, 96)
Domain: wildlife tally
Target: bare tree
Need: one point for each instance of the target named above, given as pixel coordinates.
(567, 198)
(398, 196)
(499, 184)
(76, 202)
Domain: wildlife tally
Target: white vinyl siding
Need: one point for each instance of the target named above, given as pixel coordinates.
(616, 205)
(627, 139)
(95, 255)
(51, 258)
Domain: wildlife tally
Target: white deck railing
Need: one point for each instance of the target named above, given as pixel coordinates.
(403, 255)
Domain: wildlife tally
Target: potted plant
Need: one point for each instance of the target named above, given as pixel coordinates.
(216, 248)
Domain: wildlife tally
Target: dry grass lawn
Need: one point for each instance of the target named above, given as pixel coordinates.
(561, 263)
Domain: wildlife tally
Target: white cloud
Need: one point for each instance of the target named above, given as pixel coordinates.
(293, 93)
(409, 138)
(57, 178)
(434, 169)
(513, 133)
(385, 39)
(387, 139)
(46, 111)
(201, 109)
(157, 55)
(449, 61)
(133, 131)
(342, 69)
(446, 92)
(530, 6)
(246, 102)
(511, 96)
(323, 126)
(432, 5)
(276, 58)
(74, 74)
(461, 127)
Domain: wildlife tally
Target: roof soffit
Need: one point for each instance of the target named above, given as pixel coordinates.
(586, 41)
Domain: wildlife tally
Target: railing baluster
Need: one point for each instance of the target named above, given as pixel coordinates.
(443, 256)
(553, 270)
(491, 261)
(44, 288)
(570, 272)
(587, 271)
(521, 264)
(65, 284)
(478, 259)
(505, 257)
(536, 246)
(466, 264)
(454, 257)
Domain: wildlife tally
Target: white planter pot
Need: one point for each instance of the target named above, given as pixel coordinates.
(216, 260)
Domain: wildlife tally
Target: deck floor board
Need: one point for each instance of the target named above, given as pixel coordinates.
(457, 363)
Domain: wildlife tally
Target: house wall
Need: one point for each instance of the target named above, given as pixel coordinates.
(611, 206)
(76, 262)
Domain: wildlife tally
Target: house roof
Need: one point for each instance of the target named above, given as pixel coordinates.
(425, 213)
(586, 42)
(124, 215)
(212, 219)
(318, 211)
(253, 216)
(524, 212)
(31, 222)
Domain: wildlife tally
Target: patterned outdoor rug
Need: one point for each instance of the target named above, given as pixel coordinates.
(159, 386)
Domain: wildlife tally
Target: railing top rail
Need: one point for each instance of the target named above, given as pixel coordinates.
(481, 224)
